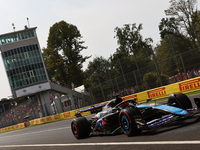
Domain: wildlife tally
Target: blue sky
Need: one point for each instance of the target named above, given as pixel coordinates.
(96, 20)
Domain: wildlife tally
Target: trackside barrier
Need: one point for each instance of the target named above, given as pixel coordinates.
(62, 116)
(164, 91)
(11, 128)
(160, 92)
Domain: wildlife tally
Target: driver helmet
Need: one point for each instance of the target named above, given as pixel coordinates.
(118, 99)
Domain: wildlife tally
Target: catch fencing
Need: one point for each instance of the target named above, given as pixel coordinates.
(178, 68)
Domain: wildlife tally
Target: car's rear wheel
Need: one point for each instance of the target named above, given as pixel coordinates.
(179, 100)
(127, 121)
(80, 127)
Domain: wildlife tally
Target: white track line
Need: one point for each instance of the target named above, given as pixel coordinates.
(101, 144)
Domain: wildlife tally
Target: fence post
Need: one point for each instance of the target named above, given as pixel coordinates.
(157, 68)
(173, 52)
(194, 28)
(137, 69)
(111, 80)
(136, 81)
(101, 88)
(117, 85)
(183, 65)
(122, 73)
(91, 95)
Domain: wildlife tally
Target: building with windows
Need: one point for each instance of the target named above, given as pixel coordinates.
(23, 62)
(26, 72)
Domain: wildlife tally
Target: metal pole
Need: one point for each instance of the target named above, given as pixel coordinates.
(173, 50)
(92, 100)
(117, 85)
(137, 69)
(101, 88)
(183, 65)
(194, 28)
(136, 80)
(111, 80)
(122, 73)
(91, 95)
(156, 68)
(174, 53)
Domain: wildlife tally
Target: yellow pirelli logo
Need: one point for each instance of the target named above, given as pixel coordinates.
(156, 92)
(189, 85)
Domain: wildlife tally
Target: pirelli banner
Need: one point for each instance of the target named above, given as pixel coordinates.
(164, 91)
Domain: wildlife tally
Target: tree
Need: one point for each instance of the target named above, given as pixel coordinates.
(152, 81)
(186, 15)
(177, 35)
(130, 40)
(97, 71)
(168, 26)
(4, 99)
(131, 48)
(98, 65)
(62, 55)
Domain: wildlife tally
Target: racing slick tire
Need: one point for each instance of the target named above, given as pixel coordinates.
(80, 127)
(127, 121)
(179, 100)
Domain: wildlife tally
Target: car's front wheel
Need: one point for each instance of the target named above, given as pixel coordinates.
(127, 121)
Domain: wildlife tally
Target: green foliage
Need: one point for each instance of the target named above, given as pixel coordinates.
(164, 79)
(62, 55)
(168, 27)
(133, 52)
(151, 79)
(98, 65)
(4, 99)
(130, 40)
(186, 15)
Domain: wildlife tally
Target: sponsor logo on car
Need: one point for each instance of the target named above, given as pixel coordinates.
(189, 85)
(156, 92)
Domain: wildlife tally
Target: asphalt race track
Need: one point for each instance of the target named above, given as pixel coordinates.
(182, 135)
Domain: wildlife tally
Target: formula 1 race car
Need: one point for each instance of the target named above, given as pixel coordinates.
(131, 117)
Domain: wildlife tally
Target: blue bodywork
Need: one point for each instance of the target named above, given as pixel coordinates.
(171, 109)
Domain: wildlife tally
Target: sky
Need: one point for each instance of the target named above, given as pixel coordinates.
(95, 19)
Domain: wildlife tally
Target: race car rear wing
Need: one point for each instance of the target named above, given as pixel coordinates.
(92, 109)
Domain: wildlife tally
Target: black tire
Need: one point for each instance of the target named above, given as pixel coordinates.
(127, 121)
(80, 127)
(179, 100)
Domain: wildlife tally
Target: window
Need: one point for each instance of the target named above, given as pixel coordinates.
(32, 33)
(22, 35)
(26, 55)
(2, 41)
(31, 73)
(33, 47)
(36, 46)
(18, 50)
(15, 51)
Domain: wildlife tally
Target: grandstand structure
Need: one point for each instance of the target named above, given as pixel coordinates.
(26, 72)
